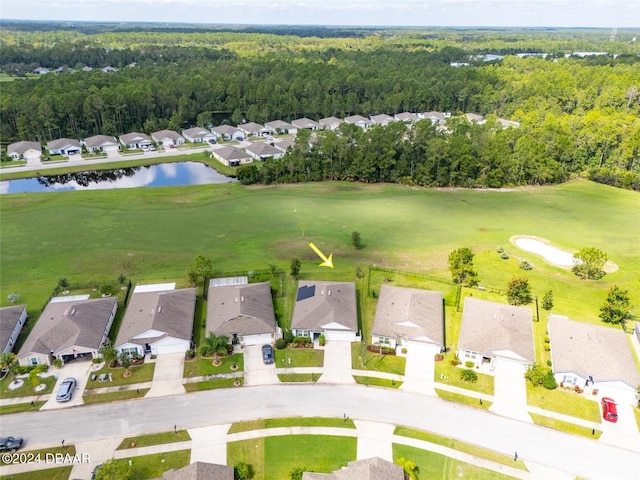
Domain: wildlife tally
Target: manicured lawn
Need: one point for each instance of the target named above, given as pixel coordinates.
(27, 388)
(211, 384)
(115, 396)
(20, 407)
(567, 402)
(275, 457)
(298, 377)
(373, 361)
(66, 450)
(436, 466)
(153, 466)
(464, 399)
(565, 426)
(154, 439)
(291, 422)
(204, 365)
(377, 382)
(299, 357)
(139, 374)
(460, 446)
(450, 375)
(61, 473)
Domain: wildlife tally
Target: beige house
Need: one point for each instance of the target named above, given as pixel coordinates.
(262, 151)
(167, 138)
(102, 143)
(25, 150)
(12, 319)
(232, 156)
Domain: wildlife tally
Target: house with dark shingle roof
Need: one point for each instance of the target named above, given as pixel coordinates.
(493, 332)
(325, 308)
(200, 471)
(102, 143)
(408, 315)
(241, 311)
(67, 328)
(232, 156)
(367, 469)
(158, 320)
(284, 144)
(24, 150)
(12, 319)
(305, 122)
(594, 356)
(64, 146)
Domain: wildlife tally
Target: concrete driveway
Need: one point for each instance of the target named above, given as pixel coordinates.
(255, 370)
(420, 368)
(167, 376)
(510, 390)
(337, 363)
(78, 369)
(623, 433)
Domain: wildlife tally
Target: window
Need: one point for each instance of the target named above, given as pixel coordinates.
(569, 380)
(131, 351)
(303, 333)
(468, 355)
(34, 361)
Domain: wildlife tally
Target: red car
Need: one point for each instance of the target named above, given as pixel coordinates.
(609, 409)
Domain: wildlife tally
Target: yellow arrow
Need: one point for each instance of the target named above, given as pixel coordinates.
(328, 262)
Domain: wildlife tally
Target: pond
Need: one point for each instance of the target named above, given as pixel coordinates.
(161, 175)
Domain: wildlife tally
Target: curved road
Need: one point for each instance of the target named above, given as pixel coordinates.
(577, 455)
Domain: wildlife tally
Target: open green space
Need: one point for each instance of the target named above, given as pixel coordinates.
(291, 422)
(154, 439)
(60, 473)
(566, 426)
(564, 401)
(275, 457)
(204, 365)
(153, 466)
(433, 465)
(464, 399)
(114, 396)
(299, 357)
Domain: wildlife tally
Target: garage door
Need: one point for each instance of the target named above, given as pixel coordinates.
(173, 348)
(340, 336)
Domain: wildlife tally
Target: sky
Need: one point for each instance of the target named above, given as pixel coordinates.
(456, 13)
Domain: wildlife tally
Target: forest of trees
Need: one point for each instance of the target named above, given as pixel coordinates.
(578, 115)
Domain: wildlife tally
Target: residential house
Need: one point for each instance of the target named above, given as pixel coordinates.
(367, 469)
(135, 140)
(325, 308)
(198, 135)
(41, 71)
(252, 129)
(12, 319)
(409, 316)
(406, 117)
(109, 69)
(69, 327)
(87, 69)
(167, 138)
(587, 355)
(382, 119)
(495, 332)
(305, 123)
(475, 118)
(64, 146)
(278, 127)
(241, 311)
(358, 120)
(437, 118)
(25, 150)
(200, 471)
(158, 320)
(330, 123)
(262, 150)
(508, 123)
(227, 132)
(102, 143)
(284, 144)
(232, 156)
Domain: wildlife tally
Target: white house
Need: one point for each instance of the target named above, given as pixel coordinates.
(358, 120)
(12, 319)
(278, 127)
(167, 138)
(326, 308)
(102, 143)
(406, 117)
(198, 135)
(64, 146)
(135, 140)
(241, 311)
(232, 156)
(382, 119)
(69, 327)
(330, 123)
(227, 132)
(305, 123)
(437, 118)
(262, 150)
(158, 320)
(253, 129)
(25, 150)
(284, 144)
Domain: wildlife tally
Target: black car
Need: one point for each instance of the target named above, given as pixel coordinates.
(267, 354)
(65, 391)
(10, 444)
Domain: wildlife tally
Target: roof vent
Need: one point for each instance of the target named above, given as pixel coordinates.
(329, 292)
(242, 298)
(73, 311)
(159, 309)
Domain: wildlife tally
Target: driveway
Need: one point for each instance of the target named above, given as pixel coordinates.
(255, 370)
(420, 368)
(510, 390)
(78, 369)
(209, 444)
(167, 376)
(337, 363)
(623, 433)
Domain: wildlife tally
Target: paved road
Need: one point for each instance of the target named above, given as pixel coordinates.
(578, 455)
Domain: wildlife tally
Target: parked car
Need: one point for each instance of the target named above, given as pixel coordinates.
(152, 148)
(65, 391)
(212, 141)
(267, 354)
(609, 409)
(10, 444)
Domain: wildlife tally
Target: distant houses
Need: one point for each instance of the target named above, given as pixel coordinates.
(64, 146)
(25, 150)
(12, 319)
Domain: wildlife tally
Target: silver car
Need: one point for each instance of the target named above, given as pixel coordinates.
(65, 390)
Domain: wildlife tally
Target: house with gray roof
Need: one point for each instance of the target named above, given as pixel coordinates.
(109, 69)
(382, 119)
(406, 117)
(279, 127)
(330, 123)
(241, 311)
(41, 71)
(284, 144)
(262, 150)
(200, 471)
(227, 132)
(64, 146)
(101, 143)
(25, 150)
(167, 138)
(158, 320)
(358, 120)
(12, 319)
(135, 140)
(593, 356)
(69, 327)
(253, 129)
(367, 469)
(474, 118)
(495, 332)
(437, 118)
(408, 316)
(305, 123)
(232, 156)
(87, 69)
(325, 308)
(198, 135)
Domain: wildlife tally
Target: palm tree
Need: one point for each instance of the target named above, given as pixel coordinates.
(213, 344)
(34, 378)
(109, 354)
(8, 362)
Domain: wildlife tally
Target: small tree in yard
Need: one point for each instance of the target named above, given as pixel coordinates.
(108, 353)
(410, 468)
(547, 300)
(589, 263)
(9, 362)
(461, 267)
(296, 473)
(469, 376)
(125, 361)
(243, 471)
(114, 470)
(34, 376)
(355, 239)
(214, 345)
(519, 291)
(295, 267)
(617, 307)
(200, 267)
(541, 376)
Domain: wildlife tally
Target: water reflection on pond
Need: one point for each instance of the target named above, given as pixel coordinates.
(161, 175)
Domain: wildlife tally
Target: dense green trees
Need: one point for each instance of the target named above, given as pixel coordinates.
(519, 291)
(461, 267)
(617, 307)
(589, 263)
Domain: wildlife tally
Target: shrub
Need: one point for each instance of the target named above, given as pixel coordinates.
(190, 353)
(525, 265)
(549, 363)
(288, 336)
(58, 363)
(321, 340)
(500, 250)
(385, 350)
(504, 256)
(469, 364)
(547, 347)
(404, 350)
(97, 360)
(106, 289)
(281, 343)
(469, 375)
(547, 339)
(455, 362)
(301, 340)
(549, 381)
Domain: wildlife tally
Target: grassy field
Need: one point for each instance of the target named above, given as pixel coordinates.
(204, 365)
(153, 466)
(154, 439)
(564, 401)
(566, 426)
(464, 399)
(291, 422)
(114, 396)
(27, 387)
(299, 357)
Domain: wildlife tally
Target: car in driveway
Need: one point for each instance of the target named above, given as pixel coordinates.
(65, 390)
(10, 444)
(267, 354)
(609, 409)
